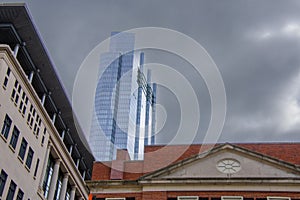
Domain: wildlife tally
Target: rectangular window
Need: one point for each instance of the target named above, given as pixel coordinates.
(278, 198)
(3, 177)
(23, 149)
(6, 127)
(5, 82)
(36, 167)
(20, 195)
(29, 158)
(231, 198)
(14, 138)
(115, 199)
(11, 191)
(187, 198)
(48, 176)
(58, 186)
(8, 72)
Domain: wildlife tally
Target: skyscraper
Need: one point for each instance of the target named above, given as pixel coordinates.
(124, 106)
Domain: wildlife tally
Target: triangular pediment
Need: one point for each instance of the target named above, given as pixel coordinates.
(227, 161)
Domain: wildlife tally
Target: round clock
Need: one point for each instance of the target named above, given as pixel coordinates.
(229, 166)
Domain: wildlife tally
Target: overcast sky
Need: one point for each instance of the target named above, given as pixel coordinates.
(254, 43)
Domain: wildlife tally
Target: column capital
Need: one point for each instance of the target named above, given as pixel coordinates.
(50, 144)
(73, 187)
(66, 175)
(57, 161)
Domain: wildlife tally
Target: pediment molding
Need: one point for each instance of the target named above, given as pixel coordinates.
(266, 166)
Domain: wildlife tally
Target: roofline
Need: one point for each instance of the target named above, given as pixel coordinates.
(219, 148)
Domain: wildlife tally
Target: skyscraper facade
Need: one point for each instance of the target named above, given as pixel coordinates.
(124, 106)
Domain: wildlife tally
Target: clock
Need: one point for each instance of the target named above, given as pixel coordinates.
(229, 166)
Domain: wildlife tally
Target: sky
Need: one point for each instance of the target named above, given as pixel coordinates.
(254, 43)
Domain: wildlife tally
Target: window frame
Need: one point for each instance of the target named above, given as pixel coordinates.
(232, 198)
(121, 198)
(11, 189)
(20, 194)
(28, 163)
(188, 198)
(14, 138)
(3, 179)
(6, 127)
(278, 198)
(22, 156)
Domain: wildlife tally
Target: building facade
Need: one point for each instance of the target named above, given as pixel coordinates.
(124, 109)
(224, 172)
(42, 154)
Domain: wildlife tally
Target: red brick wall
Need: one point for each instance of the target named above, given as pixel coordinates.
(136, 166)
(165, 195)
(208, 194)
(101, 171)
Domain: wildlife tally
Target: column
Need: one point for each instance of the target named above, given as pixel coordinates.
(78, 162)
(71, 149)
(54, 179)
(45, 166)
(64, 186)
(63, 135)
(72, 193)
(54, 118)
(31, 76)
(16, 49)
(43, 98)
(83, 174)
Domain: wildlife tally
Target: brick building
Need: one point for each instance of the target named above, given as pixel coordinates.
(222, 172)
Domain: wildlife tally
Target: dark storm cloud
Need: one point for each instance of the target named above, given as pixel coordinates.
(254, 43)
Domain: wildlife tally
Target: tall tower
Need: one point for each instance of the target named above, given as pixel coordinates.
(120, 117)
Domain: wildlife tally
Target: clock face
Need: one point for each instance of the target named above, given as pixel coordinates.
(229, 166)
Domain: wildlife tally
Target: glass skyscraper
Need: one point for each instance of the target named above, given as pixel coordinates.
(124, 106)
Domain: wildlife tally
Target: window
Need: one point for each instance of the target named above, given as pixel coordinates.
(6, 127)
(115, 199)
(6, 78)
(16, 92)
(29, 158)
(278, 198)
(231, 198)
(8, 72)
(14, 138)
(58, 186)
(11, 191)
(23, 104)
(23, 149)
(36, 167)
(20, 195)
(43, 137)
(5, 82)
(48, 176)
(3, 177)
(187, 198)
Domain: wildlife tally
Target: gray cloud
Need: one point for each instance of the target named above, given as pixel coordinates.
(254, 43)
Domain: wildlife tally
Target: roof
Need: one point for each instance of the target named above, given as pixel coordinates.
(17, 26)
(284, 153)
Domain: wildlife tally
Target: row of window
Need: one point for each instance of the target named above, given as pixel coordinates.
(5, 82)
(226, 198)
(7, 124)
(20, 100)
(12, 188)
(201, 198)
